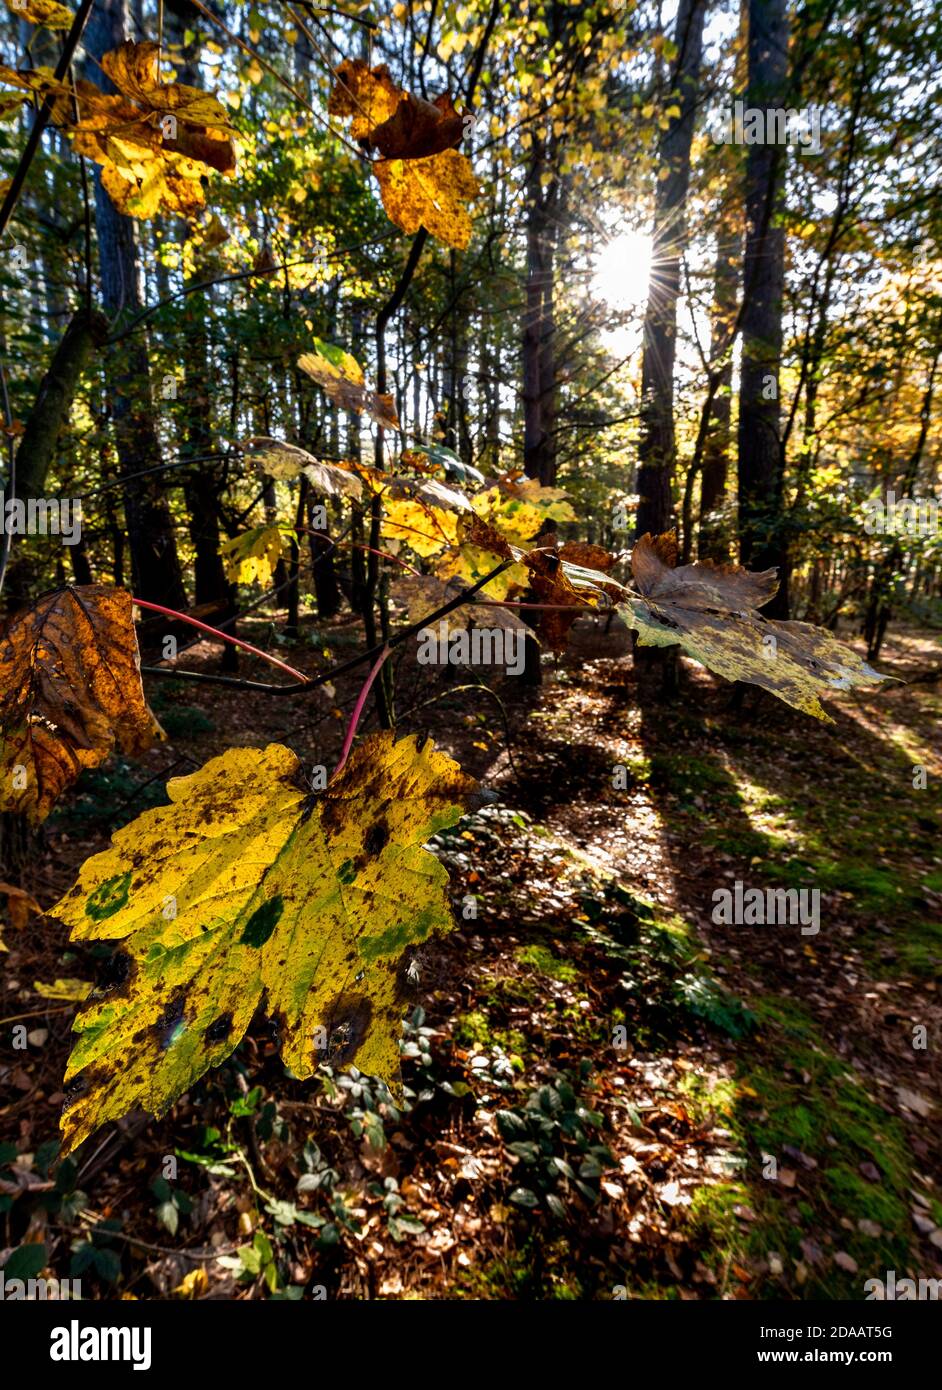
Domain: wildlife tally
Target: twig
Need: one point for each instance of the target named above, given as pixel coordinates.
(358, 710)
(222, 636)
(370, 654)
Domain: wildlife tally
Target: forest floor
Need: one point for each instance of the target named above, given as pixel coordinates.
(608, 1094)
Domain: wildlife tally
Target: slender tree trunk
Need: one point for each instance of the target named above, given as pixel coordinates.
(533, 317)
(762, 543)
(713, 543)
(656, 452)
(155, 564)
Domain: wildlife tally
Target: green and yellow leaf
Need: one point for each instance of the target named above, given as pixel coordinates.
(247, 892)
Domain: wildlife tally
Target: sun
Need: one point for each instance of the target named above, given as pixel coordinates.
(620, 280)
(622, 268)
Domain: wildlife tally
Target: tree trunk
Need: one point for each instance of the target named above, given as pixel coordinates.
(656, 449)
(713, 544)
(762, 542)
(539, 330)
(154, 561)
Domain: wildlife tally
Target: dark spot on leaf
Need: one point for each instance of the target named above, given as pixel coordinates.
(115, 971)
(347, 871)
(76, 1087)
(170, 1024)
(219, 1030)
(262, 922)
(347, 1022)
(377, 837)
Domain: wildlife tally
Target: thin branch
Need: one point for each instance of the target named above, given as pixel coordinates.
(358, 710)
(222, 636)
(312, 682)
(263, 62)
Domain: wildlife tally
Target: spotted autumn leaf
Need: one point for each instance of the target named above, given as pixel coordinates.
(70, 694)
(341, 376)
(710, 611)
(432, 193)
(299, 903)
(422, 512)
(423, 180)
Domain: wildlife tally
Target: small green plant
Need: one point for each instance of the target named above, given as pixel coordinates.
(172, 1203)
(554, 1139)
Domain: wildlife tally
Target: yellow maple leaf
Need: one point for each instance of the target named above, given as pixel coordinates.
(70, 691)
(519, 509)
(254, 554)
(154, 140)
(430, 193)
(279, 898)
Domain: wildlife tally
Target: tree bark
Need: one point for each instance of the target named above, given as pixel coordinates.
(656, 451)
(154, 560)
(762, 543)
(713, 544)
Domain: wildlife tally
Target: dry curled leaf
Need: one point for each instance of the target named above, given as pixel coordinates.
(341, 376)
(281, 460)
(551, 586)
(710, 610)
(384, 118)
(298, 903)
(19, 904)
(70, 693)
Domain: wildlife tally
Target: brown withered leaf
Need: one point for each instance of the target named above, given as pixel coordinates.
(418, 129)
(476, 531)
(384, 118)
(19, 904)
(710, 611)
(281, 460)
(70, 693)
(551, 584)
(586, 556)
(341, 376)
